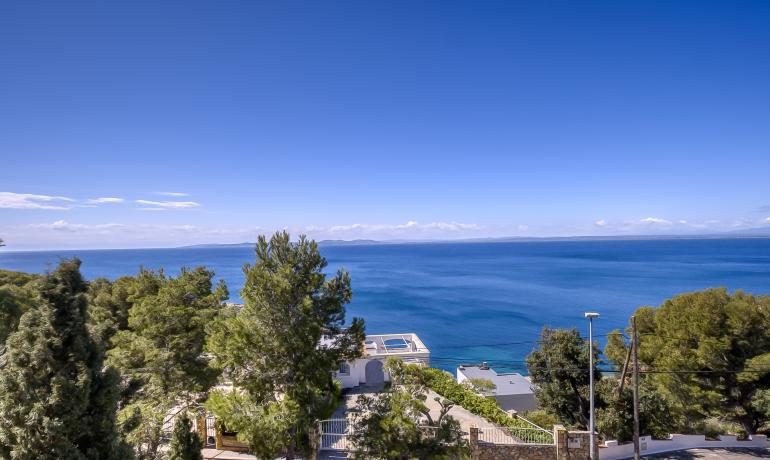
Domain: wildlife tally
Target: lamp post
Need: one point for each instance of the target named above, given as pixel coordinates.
(592, 419)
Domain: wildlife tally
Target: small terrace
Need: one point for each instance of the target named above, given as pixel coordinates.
(393, 344)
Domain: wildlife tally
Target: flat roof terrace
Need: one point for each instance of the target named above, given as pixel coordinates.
(394, 344)
(505, 383)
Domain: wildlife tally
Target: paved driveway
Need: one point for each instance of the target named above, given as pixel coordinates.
(713, 454)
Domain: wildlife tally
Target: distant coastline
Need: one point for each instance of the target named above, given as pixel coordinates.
(754, 233)
(763, 232)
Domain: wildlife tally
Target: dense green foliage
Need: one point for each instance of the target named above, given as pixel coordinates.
(397, 424)
(17, 295)
(272, 348)
(57, 399)
(445, 385)
(159, 346)
(541, 418)
(559, 372)
(710, 353)
(615, 413)
(559, 369)
(185, 443)
(703, 356)
(111, 301)
(19, 279)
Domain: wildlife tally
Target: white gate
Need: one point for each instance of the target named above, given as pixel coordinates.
(334, 434)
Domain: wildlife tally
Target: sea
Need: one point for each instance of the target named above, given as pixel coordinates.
(475, 302)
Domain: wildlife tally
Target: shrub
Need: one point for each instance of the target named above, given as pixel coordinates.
(541, 418)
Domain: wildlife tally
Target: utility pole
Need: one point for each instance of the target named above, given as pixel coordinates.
(635, 344)
(592, 419)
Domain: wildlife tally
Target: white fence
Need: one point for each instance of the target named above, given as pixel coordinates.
(515, 436)
(648, 446)
(334, 434)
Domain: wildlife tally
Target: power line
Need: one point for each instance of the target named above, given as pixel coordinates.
(522, 342)
(502, 363)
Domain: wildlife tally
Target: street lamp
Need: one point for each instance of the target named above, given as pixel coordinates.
(592, 422)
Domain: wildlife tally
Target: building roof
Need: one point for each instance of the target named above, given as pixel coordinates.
(388, 345)
(506, 383)
(394, 344)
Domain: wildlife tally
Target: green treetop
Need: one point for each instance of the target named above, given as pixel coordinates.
(57, 400)
(559, 372)
(185, 443)
(161, 348)
(111, 301)
(272, 348)
(18, 293)
(710, 351)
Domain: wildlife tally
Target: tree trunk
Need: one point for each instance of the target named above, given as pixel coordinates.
(581, 409)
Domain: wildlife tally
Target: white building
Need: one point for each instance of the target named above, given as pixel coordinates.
(368, 370)
(512, 391)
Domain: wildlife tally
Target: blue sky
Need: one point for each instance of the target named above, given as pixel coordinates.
(380, 119)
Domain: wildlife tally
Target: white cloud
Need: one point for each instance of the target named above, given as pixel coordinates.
(64, 226)
(10, 200)
(767, 219)
(600, 223)
(178, 194)
(409, 227)
(104, 200)
(655, 220)
(169, 204)
(62, 234)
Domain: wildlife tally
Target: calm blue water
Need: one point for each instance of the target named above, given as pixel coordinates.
(460, 297)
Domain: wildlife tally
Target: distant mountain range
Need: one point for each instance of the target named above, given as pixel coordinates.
(759, 232)
(320, 243)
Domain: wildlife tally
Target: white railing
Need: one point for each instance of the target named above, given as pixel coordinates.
(532, 424)
(494, 435)
(334, 434)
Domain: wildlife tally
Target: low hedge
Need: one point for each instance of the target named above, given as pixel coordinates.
(446, 386)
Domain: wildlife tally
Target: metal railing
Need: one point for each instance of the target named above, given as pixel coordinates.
(495, 435)
(211, 431)
(334, 434)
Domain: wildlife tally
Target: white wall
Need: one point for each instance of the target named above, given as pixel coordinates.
(357, 374)
(615, 451)
(461, 376)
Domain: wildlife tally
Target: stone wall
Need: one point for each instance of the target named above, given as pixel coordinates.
(569, 445)
(512, 452)
(574, 445)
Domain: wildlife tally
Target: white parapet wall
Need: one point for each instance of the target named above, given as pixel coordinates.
(615, 451)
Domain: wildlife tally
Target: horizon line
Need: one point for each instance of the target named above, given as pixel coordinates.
(477, 240)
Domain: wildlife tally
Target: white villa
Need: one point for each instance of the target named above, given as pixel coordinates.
(368, 370)
(512, 391)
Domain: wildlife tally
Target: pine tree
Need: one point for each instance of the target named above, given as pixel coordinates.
(557, 371)
(185, 443)
(159, 349)
(56, 400)
(270, 348)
